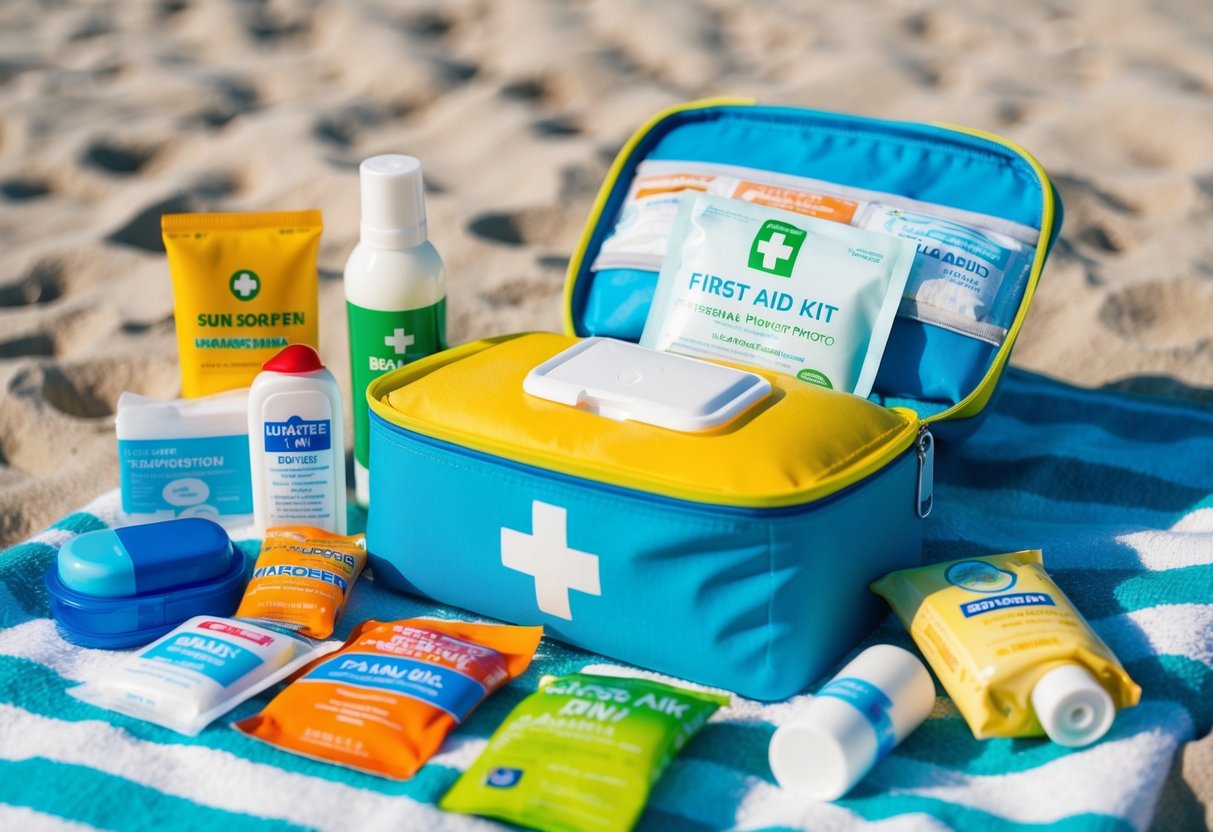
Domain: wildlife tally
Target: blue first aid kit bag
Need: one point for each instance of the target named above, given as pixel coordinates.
(738, 556)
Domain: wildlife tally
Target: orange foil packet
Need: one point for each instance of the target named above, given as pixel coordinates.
(303, 579)
(797, 200)
(385, 701)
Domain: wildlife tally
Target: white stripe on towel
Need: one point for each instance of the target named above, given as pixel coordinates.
(1065, 786)
(27, 820)
(1167, 630)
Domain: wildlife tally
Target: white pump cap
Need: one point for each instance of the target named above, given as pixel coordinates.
(1072, 706)
(393, 202)
(873, 703)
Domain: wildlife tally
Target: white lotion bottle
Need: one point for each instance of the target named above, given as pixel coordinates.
(394, 290)
(875, 702)
(296, 443)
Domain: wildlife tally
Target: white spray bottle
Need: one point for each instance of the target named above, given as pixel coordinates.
(297, 443)
(394, 290)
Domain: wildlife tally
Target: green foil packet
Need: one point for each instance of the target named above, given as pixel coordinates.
(582, 753)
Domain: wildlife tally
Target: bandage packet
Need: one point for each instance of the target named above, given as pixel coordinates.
(193, 675)
(958, 268)
(303, 579)
(581, 753)
(751, 284)
(642, 233)
(385, 701)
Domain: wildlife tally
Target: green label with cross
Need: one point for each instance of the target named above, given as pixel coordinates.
(775, 248)
(384, 341)
(244, 284)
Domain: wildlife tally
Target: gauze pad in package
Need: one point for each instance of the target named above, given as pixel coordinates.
(958, 268)
(198, 672)
(756, 285)
(582, 752)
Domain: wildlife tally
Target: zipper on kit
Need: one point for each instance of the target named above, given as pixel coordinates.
(925, 448)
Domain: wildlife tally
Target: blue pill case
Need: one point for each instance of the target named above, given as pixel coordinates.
(174, 590)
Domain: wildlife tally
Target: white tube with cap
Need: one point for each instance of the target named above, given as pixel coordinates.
(873, 703)
(394, 289)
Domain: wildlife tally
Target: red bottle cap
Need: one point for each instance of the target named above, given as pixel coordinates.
(297, 358)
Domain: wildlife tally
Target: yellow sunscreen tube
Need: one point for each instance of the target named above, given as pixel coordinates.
(1010, 649)
(244, 287)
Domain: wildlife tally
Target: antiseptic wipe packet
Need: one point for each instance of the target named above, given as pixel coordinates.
(959, 268)
(757, 285)
(582, 752)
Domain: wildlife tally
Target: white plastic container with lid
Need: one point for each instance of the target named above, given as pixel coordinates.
(873, 703)
(296, 443)
(394, 290)
(185, 458)
(622, 381)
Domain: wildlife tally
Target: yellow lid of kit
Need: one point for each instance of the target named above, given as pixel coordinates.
(802, 443)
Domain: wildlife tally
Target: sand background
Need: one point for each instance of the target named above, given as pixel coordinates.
(112, 113)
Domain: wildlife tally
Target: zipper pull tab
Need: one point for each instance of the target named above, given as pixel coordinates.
(926, 472)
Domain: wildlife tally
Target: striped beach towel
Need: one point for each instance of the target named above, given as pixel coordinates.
(1118, 492)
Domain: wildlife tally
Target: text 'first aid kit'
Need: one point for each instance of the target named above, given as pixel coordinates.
(737, 553)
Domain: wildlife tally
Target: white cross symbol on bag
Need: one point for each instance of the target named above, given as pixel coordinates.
(398, 341)
(773, 249)
(545, 554)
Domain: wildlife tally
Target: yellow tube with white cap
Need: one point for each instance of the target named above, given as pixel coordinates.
(1010, 649)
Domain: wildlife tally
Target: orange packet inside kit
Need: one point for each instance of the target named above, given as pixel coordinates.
(385, 701)
(303, 579)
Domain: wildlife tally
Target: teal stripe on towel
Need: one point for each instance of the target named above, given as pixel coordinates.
(1064, 480)
(655, 820)
(21, 573)
(739, 746)
(1103, 593)
(84, 795)
(1185, 457)
(1093, 518)
(1110, 415)
(23, 566)
(1178, 679)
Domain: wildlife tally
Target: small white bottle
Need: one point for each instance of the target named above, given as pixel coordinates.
(873, 703)
(394, 290)
(296, 443)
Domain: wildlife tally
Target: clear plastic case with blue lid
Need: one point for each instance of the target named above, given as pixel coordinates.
(118, 588)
